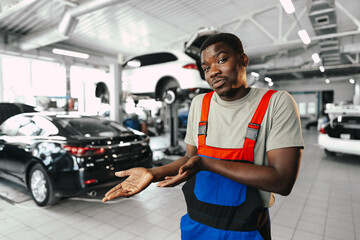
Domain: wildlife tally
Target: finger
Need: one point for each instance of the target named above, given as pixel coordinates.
(169, 182)
(183, 169)
(118, 187)
(122, 173)
(116, 194)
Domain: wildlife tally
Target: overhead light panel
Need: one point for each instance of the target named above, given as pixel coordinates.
(327, 81)
(316, 57)
(70, 53)
(352, 81)
(267, 79)
(304, 36)
(270, 84)
(322, 69)
(288, 6)
(255, 74)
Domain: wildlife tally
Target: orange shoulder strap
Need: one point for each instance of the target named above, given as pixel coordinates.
(204, 118)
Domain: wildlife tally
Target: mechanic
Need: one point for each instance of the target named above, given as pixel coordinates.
(242, 145)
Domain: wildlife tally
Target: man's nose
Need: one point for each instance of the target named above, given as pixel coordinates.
(214, 71)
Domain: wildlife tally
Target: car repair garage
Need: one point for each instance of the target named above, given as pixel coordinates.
(107, 131)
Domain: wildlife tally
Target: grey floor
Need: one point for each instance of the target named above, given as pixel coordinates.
(324, 204)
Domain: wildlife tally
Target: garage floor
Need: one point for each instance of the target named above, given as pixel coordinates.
(324, 204)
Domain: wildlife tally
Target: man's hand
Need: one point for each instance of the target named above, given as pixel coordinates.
(186, 171)
(139, 179)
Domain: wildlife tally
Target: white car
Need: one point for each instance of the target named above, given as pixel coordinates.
(166, 75)
(341, 134)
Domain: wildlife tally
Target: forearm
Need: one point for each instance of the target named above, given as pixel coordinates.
(170, 169)
(273, 178)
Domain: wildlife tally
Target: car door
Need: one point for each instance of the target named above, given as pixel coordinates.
(20, 147)
(17, 146)
(7, 129)
(2, 157)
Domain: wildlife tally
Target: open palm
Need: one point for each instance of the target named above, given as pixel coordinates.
(138, 179)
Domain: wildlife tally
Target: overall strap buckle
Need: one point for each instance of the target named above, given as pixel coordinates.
(203, 125)
(252, 131)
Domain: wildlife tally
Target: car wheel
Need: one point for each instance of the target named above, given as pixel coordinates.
(41, 187)
(170, 96)
(168, 91)
(329, 153)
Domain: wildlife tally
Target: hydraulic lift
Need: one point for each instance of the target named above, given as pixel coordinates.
(172, 103)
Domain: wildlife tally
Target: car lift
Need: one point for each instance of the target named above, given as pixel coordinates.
(172, 101)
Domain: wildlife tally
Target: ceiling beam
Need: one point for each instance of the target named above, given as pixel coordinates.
(348, 14)
(17, 7)
(267, 33)
(301, 14)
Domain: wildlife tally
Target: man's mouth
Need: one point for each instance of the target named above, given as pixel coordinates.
(216, 83)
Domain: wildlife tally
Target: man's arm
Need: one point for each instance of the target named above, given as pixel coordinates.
(172, 169)
(278, 177)
(138, 179)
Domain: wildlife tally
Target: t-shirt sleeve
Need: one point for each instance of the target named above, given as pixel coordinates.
(192, 122)
(285, 128)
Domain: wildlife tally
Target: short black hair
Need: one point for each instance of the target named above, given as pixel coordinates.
(228, 38)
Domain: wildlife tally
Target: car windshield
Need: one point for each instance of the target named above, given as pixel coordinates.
(90, 127)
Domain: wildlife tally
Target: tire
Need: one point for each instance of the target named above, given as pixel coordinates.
(41, 188)
(167, 91)
(329, 153)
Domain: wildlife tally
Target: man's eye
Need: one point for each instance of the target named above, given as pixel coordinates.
(205, 69)
(222, 60)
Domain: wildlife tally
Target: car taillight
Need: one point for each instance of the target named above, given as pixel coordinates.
(190, 66)
(322, 130)
(90, 181)
(83, 151)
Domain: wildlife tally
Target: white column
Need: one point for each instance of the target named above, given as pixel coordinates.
(1, 82)
(356, 99)
(67, 65)
(115, 92)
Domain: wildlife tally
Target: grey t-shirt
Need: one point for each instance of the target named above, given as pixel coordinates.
(228, 121)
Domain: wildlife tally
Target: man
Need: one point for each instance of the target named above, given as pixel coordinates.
(229, 178)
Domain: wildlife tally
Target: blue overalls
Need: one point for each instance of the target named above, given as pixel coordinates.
(217, 207)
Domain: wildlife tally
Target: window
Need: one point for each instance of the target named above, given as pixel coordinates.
(28, 128)
(89, 127)
(10, 126)
(155, 58)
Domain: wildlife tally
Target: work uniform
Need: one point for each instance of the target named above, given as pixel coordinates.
(220, 208)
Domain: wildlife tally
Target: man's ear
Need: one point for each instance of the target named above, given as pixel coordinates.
(244, 60)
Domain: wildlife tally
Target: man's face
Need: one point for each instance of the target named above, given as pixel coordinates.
(225, 70)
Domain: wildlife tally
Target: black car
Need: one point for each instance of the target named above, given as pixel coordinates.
(11, 109)
(62, 155)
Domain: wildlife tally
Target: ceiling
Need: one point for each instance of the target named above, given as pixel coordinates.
(114, 30)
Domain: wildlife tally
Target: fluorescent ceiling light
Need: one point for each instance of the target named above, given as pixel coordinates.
(327, 81)
(288, 6)
(352, 81)
(271, 83)
(267, 79)
(322, 69)
(316, 57)
(304, 36)
(70, 53)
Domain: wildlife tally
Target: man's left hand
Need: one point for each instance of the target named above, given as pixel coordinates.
(186, 171)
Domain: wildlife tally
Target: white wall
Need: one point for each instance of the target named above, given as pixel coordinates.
(343, 90)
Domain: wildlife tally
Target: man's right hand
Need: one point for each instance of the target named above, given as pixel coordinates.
(139, 179)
